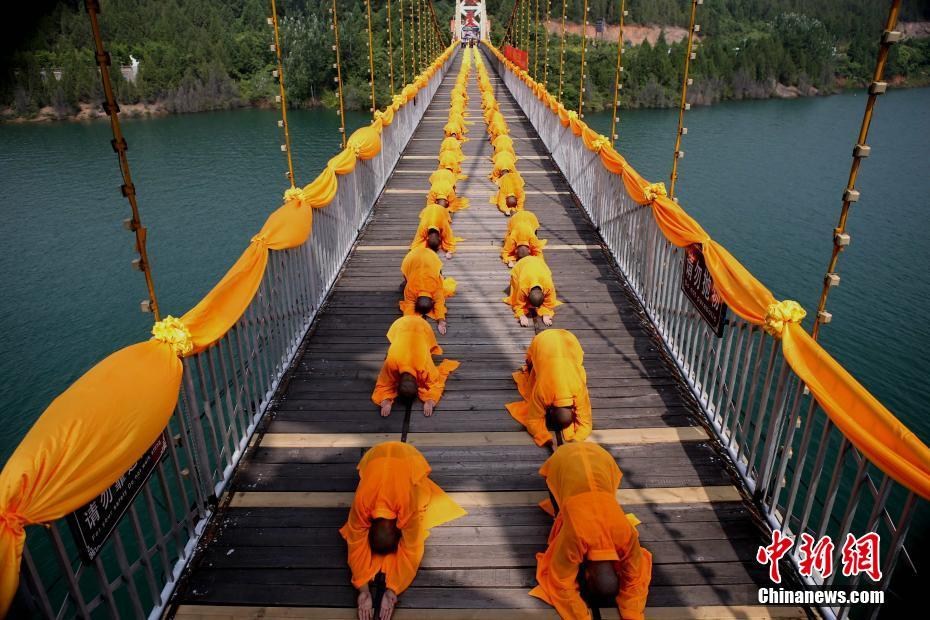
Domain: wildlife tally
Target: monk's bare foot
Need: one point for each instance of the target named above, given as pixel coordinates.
(524, 321)
(366, 610)
(442, 326)
(386, 408)
(448, 254)
(428, 407)
(547, 320)
(388, 601)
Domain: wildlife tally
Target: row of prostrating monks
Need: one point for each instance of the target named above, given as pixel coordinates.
(593, 555)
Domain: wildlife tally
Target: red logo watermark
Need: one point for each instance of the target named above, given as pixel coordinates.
(858, 555)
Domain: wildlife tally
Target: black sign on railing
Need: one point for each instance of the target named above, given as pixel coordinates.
(698, 286)
(93, 523)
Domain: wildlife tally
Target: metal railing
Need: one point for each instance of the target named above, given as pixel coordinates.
(803, 474)
(225, 391)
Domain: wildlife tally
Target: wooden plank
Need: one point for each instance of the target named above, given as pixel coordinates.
(626, 497)
(358, 440)
(707, 612)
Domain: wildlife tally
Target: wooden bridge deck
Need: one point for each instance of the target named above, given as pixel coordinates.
(274, 551)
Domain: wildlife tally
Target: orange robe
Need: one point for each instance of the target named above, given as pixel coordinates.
(452, 163)
(591, 525)
(394, 484)
(442, 174)
(435, 217)
(504, 162)
(422, 270)
(510, 184)
(528, 273)
(503, 143)
(413, 345)
(442, 188)
(451, 144)
(497, 126)
(554, 376)
(521, 230)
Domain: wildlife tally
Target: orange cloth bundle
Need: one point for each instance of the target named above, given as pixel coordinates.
(583, 478)
(554, 376)
(394, 484)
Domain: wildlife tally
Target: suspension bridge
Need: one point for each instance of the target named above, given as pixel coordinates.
(227, 484)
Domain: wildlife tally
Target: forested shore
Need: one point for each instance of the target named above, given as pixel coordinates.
(200, 55)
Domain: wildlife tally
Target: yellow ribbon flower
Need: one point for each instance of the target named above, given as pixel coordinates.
(399, 100)
(260, 238)
(175, 334)
(780, 314)
(600, 143)
(294, 193)
(572, 115)
(654, 190)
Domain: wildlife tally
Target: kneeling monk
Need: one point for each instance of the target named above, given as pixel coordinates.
(532, 290)
(425, 290)
(435, 230)
(521, 240)
(592, 534)
(394, 507)
(553, 384)
(511, 195)
(408, 371)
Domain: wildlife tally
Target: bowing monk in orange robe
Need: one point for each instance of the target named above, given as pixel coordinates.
(521, 240)
(435, 230)
(511, 195)
(553, 384)
(408, 371)
(503, 143)
(442, 192)
(455, 127)
(395, 506)
(497, 126)
(425, 290)
(504, 162)
(452, 163)
(532, 290)
(591, 533)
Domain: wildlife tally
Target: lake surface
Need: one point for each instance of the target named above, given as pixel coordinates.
(764, 178)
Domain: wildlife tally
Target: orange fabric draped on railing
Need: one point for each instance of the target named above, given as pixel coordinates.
(104, 422)
(862, 419)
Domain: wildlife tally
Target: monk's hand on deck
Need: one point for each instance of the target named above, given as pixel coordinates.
(428, 407)
(448, 254)
(388, 601)
(511, 264)
(366, 610)
(547, 320)
(442, 326)
(386, 407)
(524, 321)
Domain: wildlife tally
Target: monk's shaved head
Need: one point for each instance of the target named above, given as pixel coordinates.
(423, 305)
(523, 251)
(512, 202)
(407, 387)
(442, 202)
(433, 240)
(383, 536)
(601, 579)
(560, 417)
(536, 296)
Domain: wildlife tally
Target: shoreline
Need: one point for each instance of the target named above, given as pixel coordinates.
(90, 112)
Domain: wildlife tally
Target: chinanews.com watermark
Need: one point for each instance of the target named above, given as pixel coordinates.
(858, 558)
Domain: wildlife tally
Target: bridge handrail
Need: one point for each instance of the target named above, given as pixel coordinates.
(762, 384)
(204, 380)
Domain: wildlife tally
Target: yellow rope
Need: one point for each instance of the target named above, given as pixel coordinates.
(390, 32)
(536, 42)
(683, 105)
(119, 145)
(862, 150)
(562, 51)
(342, 108)
(371, 60)
(286, 147)
(584, 39)
(546, 44)
(617, 74)
(403, 44)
